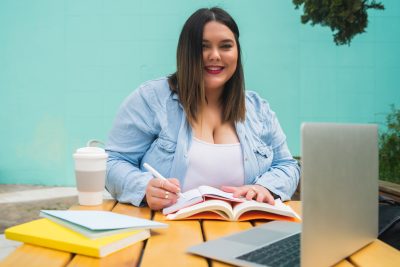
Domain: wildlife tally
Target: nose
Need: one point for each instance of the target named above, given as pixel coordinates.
(214, 54)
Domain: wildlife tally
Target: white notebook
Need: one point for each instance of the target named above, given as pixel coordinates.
(95, 224)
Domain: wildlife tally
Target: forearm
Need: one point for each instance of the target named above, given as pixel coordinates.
(125, 181)
(134, 130)
(283, 176)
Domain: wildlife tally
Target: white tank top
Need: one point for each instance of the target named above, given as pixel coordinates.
(214, 165)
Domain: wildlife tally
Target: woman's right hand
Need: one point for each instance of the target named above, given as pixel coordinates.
(162, 193)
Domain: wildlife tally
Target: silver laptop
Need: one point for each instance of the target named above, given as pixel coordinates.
(339, 193)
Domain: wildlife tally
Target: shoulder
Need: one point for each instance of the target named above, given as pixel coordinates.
(152, 92)
(254, 98)
(157, 87)
(256, 105)
(262, 120)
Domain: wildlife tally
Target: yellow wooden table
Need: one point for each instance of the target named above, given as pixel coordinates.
(167, 247)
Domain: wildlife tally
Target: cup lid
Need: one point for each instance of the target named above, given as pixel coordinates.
(89, 152)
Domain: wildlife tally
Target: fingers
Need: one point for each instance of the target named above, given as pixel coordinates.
(236, 191)
(262, 194)
(175, 182)
(265, 197)
(228, 189)
(161, 193)
(250, 192)
(260, 197)
(172, 185)
(160, 199)
(241, 191)
(269, 198)
(157, 203)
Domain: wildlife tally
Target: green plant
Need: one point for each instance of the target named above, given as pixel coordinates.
(346, 18)
(389, 148)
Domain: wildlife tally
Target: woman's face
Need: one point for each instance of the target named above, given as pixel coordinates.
(220, 55)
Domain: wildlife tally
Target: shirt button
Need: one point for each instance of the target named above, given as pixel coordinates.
(245, 159)
(186, 155)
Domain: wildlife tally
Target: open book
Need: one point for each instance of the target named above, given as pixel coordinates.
(207, 202)
(200, 194)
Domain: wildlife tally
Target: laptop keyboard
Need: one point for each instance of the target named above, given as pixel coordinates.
(285, 252)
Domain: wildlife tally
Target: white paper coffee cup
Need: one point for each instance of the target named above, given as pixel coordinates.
(90, 174)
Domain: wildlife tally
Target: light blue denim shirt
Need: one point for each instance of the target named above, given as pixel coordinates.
(151, 127)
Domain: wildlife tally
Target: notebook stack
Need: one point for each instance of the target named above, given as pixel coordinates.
(91, 233)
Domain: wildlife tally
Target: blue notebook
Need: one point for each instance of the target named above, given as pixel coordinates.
(95, 224)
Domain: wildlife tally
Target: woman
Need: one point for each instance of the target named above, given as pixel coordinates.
(199, 126)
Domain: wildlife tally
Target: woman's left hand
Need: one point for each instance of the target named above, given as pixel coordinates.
(257, 192)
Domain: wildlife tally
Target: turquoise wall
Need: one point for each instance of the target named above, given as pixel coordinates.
(65, 66)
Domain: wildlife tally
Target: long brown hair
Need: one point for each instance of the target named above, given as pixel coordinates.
(187, 81)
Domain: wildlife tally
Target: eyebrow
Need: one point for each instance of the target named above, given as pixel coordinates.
(223, 41)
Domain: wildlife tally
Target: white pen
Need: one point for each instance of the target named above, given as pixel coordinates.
(158, 175)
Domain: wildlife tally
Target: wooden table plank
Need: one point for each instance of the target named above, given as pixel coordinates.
(32, 256)
(216, 229)
(124, 257)
(107, 205)
(128, 256)
(45, 256)
(295, 205)
(130, 210)
(167, 247)
(344, 263)
(377, 253)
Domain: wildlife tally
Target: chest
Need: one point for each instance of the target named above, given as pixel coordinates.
(211, 129)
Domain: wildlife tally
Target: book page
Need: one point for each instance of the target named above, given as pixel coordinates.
(101, 220)
(213, 192)
(191, 197)
(279, 208)
(92, 234)
(220, 207)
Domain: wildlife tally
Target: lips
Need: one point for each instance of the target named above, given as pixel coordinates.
(214, 69)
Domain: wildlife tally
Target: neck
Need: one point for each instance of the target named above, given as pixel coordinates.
(213, 96)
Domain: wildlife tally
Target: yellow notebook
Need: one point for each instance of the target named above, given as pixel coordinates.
(46, 233)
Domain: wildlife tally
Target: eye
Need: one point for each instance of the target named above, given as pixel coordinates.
(226, 46)
(205, 46)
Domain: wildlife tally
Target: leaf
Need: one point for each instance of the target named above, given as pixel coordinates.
(345, 18)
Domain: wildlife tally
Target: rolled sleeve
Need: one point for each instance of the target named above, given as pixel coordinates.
(134, 130)
(124, 181)
(283, 176)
